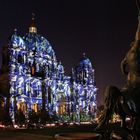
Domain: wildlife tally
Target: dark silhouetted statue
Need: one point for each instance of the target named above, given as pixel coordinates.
(126, 101)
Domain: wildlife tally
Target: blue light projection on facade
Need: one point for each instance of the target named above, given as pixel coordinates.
(34, 70)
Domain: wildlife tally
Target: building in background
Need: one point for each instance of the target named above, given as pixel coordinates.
(37, 81)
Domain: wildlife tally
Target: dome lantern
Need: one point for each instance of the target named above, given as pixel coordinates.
(32, 28)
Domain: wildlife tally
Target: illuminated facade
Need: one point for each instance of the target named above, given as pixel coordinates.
(37, 80)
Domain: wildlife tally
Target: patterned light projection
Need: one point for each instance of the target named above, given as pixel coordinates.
(37, 76)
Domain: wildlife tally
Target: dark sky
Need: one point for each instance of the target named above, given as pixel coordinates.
(103, 29)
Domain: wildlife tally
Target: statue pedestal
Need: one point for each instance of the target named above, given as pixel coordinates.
(78, 136)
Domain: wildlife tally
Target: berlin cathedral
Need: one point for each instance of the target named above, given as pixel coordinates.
(36, 80)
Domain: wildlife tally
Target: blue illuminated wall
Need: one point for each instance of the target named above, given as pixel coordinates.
(33, 64)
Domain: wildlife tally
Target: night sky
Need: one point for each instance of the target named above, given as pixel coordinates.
(103, 29)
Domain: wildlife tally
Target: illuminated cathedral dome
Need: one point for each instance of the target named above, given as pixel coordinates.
(85, 62)
(37, 42)
(16, 41)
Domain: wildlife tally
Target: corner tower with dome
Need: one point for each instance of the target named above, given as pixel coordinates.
(37, 80)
